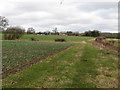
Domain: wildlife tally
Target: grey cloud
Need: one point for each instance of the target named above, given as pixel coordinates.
(93, 6)
(69, 16)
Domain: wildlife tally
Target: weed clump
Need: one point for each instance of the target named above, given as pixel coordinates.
(99, 39)
(34, 39)
(60, 40)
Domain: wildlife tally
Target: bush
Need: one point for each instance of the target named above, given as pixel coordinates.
(113, 42)
(100, 38)
(60, 40)
(13, 33)
(34, 39)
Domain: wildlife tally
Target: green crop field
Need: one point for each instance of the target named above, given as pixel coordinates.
(53, 37)
(16, 54)
(71, 64)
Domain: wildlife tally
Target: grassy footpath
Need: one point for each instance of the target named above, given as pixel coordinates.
(80, 66)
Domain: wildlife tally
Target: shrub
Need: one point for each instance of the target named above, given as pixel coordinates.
(100, 38)
(112, 42)
(13, 33)
(34, 39)
(60, 40)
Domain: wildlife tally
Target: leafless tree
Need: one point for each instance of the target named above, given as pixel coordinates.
(31, 30)
(3, 23)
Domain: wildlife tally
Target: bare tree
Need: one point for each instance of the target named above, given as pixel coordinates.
(3, 23)
(31, 30)
(55, 30)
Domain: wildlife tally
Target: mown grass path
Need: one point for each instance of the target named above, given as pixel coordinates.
(80, 66)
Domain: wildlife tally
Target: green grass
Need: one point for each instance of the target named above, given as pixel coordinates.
(115, 42)
(80, 66)
(53, 37)
(16, 54)
(1, 36)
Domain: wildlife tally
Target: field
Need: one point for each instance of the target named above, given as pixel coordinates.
(53, 37)
(72, 64)
(16, 55)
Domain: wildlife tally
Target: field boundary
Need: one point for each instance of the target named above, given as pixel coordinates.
(106, 45)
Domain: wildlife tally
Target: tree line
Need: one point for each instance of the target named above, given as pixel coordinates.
(11, 33)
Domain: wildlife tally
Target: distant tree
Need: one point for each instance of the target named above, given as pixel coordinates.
(93, 33)
(31, 30)
(69, 33)
(3, 23)
(39, 33)
(88, 33)
(47, 32)
(55, 30)
(76, 34)
(13, 33)
(110, 35)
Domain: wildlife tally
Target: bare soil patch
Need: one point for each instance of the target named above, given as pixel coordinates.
(83, 42)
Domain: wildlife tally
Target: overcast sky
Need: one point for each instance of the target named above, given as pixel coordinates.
(66, 15)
